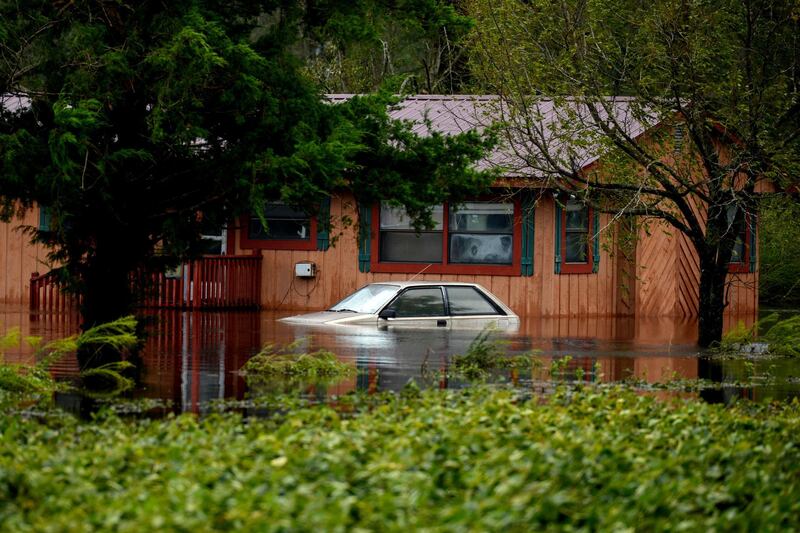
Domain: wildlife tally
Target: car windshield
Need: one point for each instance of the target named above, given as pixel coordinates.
(368, 299)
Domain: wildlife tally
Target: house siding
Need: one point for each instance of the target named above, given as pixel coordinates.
(545, 293)
(19, 258)
(660, 279)
(668, 276)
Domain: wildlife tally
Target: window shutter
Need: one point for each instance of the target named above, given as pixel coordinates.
(364, 238)
(323, 223)
(44, 218)
(596, 242)
(528, 227)
(753, 241)
(558, 236)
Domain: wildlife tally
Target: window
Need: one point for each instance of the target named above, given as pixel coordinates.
(419, 303)
(740, 255)
(368, 299)
(288, 228)
(574, 239)
(401, 243)
(468, 301)
(284, 223)
(45, 218)
(576, 232)
(214, 241)
(482, 233)
(480, 237)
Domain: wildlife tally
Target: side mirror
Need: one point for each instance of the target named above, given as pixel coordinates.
(387, 314)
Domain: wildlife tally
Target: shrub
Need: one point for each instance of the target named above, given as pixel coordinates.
(21, 379)
(771, 335)
(287, 362)
(477, 459)
(485, 354)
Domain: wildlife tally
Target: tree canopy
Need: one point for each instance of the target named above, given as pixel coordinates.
(145, 121)
(412, 46)
(719, 77)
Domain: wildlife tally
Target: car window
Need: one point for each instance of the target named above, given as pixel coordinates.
(419, 302)
(468, 301)
(367, 299)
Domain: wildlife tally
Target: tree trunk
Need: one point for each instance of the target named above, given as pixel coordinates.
(106, 297)
(712, 301)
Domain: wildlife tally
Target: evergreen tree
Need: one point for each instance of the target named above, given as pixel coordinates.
(144, 121)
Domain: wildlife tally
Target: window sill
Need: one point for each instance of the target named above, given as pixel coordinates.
(577, 268)
(739, 268)
(249, 244)
(422, 268)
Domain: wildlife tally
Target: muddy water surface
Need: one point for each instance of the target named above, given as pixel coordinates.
(191, 358)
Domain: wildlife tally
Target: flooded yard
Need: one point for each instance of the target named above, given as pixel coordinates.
(532, 456)
(193, 358)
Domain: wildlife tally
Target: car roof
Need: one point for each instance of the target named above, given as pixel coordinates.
(404, 284)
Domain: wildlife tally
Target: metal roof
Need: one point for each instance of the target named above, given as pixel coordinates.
(525, 136)
(544, 124)
(12, 102)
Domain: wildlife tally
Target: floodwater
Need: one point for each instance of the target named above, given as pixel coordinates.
(193, 358)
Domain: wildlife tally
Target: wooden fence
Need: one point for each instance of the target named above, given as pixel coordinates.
(211, 282)
(46, 294)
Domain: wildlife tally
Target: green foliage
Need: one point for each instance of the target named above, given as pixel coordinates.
(119, 336)
(406, 46)
(285, 361)
(441, 460)
(23, 380)
(108, 380)
(148, 122)
(655, 90)
(779, 249)
(10, 339)
(485, 354)
(781, 335)
(558, 367)
(770, 335)
(19, 381)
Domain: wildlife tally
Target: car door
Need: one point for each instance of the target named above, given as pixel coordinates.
(417, 307)
(471, 309)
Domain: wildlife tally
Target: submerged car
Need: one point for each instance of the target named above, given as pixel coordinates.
(416, 304)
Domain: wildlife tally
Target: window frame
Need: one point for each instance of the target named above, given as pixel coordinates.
(743, 266)
(445, 267)
(448, 312)
(246, 243)
(222, 238)
(406, 290)
(431, 232)
(45, 218)
(577, 268)
(497, 310)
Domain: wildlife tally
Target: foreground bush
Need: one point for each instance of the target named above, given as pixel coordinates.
(477, 460)
(20, 383)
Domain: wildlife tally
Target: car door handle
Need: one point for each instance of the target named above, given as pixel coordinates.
(441, 323)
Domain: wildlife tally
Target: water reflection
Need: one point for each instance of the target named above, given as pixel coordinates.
(192, 358)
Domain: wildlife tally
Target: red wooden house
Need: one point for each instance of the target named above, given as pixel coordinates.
(543, 253)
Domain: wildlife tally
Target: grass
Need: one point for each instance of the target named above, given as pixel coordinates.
(479, 460)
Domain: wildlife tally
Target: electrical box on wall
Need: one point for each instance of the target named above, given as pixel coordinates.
(305, 270)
